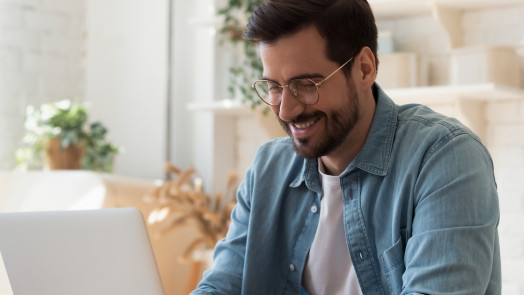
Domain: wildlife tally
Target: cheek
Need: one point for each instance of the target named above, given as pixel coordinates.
(335, 98)
(275, 109)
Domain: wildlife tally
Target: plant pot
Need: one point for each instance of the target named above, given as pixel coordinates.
(59, 158)
(269, 123)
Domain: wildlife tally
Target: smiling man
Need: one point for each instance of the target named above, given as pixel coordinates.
(364, 196)
(334, 129)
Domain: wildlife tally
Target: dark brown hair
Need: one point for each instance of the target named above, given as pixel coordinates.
(347, 25)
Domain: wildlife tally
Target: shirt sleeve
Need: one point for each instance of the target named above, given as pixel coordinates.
(225, 277)
(453, 248)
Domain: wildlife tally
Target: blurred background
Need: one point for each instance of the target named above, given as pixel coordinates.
(158, 75)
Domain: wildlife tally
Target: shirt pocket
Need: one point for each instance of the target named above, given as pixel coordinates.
(393, 262)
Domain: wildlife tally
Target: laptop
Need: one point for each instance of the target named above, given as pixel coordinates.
(103, 252)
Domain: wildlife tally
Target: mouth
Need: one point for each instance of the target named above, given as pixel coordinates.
(305, 125)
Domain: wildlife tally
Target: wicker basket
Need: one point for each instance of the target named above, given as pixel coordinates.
(59, 158)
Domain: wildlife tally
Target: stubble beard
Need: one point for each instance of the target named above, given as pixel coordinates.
(338, 126)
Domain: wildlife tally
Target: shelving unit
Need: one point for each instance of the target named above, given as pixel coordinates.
(403, 8)
(468, 101)
(448, 13)
(442, 94)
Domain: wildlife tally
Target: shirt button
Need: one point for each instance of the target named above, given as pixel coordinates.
(291, 267)
(314, 209)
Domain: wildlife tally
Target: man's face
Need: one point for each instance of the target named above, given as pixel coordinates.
(317, 130)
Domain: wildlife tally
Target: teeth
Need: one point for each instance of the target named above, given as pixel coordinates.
(305, 125)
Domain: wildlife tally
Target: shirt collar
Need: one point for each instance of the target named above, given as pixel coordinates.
(375, 154)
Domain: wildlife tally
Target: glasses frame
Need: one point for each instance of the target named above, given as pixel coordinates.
(317, 85)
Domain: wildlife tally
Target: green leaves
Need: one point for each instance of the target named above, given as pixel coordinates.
(65, 120)
(99, 153)
(236, 15)
(65, 115)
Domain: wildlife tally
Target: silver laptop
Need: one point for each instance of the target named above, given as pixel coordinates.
(103, 252)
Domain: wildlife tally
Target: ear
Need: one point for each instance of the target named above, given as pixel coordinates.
(366, 67)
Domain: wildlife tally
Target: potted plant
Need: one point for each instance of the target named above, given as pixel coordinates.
(235, 18)
(57, 137)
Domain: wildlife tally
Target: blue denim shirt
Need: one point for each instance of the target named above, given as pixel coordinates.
(420, 211)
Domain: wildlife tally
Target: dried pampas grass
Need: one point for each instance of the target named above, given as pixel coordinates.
(182, 199)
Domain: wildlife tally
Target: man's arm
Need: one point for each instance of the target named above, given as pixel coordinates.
(453, 248)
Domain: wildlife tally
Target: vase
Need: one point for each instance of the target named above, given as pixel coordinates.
(62, 158)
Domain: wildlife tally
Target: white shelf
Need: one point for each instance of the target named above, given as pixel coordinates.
(421, 95)
(224, 107)
(400, 8)
(448, 13)
(441, 94)
(468, 101)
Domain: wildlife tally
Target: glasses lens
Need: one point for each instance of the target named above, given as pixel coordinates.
(269, 92)
(305, 90)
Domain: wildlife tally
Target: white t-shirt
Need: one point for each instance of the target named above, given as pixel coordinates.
(328, 268)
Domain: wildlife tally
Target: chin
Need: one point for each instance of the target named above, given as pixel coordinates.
(304, 148)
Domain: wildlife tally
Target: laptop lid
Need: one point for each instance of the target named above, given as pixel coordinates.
(103, 252)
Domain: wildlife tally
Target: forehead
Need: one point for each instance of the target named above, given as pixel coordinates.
(296, 54)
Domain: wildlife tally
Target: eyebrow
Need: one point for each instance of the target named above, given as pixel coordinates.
(302, 76)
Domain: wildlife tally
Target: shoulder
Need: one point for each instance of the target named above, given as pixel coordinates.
(423, 117)
(421, 121)
(421, 127)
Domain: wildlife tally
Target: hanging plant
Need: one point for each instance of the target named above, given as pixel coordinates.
(236, 15)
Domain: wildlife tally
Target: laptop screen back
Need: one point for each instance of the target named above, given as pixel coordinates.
(102, 252)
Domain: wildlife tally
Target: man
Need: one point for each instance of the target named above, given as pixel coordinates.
(364, 197)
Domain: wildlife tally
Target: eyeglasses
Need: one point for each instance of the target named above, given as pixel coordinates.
(304, 90)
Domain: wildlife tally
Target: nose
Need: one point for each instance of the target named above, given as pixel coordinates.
(289, 107)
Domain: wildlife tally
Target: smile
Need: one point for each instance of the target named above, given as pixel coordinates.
(305, 124)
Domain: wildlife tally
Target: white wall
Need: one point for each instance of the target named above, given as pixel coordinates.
(41, 60)
(182, 87)
(45, 47)
(200, 74)
(126, 79)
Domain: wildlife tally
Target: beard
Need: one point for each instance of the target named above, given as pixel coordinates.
(339, 124)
